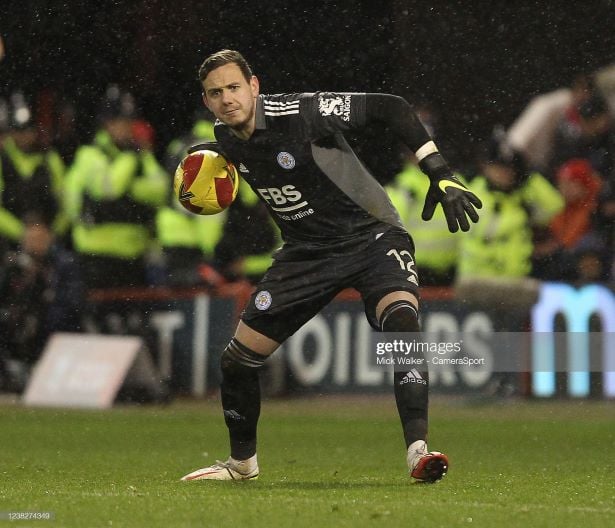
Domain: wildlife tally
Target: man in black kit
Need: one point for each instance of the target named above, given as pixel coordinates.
(339, 229)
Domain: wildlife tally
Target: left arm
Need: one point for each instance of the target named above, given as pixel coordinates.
(458, 203)
(328, 113)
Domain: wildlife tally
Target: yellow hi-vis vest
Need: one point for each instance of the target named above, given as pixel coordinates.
(500, 244)
(177, 228)
(436, 247)
(112, 198)
(25, 165)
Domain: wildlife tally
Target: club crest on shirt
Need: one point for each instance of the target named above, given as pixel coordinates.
(286, 160)
(262, 301)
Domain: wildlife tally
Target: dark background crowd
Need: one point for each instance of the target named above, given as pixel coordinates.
(479, 64)
(98, 103)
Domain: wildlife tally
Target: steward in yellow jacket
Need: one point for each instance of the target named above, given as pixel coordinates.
(114, 190)
(31, 177)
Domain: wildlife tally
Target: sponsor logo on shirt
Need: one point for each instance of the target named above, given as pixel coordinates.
(287, 202)
(337, 105)
(284, 199)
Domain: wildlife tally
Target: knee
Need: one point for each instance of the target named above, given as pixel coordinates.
(237, 356)
(399, 316)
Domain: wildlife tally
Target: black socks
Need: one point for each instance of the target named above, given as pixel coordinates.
(411, 388)
(241, 397)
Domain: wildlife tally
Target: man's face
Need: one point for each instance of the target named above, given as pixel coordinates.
(120, 130)
(26, 139)
(231, 98)
(500, 176)
(37, 240)
(572, 191)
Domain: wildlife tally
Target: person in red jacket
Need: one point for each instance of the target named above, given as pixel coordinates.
(570, 249)
(580, 185)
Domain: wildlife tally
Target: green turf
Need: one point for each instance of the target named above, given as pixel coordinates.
(324, 462)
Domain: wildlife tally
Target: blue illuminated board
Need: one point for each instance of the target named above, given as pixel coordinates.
(577, 306)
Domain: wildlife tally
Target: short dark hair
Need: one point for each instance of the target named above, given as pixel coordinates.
(222, 57)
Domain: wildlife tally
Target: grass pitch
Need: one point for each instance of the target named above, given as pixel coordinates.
(324, 462)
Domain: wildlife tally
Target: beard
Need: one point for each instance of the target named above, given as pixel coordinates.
(243, 123)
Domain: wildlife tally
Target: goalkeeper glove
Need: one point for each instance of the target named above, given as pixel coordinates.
(207, 145)
(458, 202)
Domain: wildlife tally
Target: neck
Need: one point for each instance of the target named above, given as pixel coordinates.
(245, 132)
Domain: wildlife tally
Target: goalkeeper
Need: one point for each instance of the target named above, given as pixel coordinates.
(339, 230)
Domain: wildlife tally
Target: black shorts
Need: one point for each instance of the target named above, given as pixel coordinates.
(292, 292)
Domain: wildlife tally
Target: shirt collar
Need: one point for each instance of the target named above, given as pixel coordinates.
(260, 122)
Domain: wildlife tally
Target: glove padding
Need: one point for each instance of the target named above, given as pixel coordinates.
(458, 203)
(207, 145)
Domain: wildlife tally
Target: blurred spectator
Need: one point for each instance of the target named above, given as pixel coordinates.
(143, 135)
(605, 221)
(591, 262)
(31, 177)
(595, 141)
(579, 185)
(65, 136)
(496, 255)
(533, 132)
(41, 292)
(557, 256)
(592, 139)
(188, 242)
(436, 247)
(114, 189)
(604, 79)
(202, 130)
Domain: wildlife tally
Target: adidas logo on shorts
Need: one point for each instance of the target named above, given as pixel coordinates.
(414, 376)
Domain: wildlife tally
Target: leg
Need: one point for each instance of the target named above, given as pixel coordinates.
(397, 312)
(241, 402)
(390, 289)
(240, 389)
(290, 295)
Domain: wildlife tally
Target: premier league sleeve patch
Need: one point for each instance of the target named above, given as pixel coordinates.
(335, 105)
(262, 301)
(328, 113)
